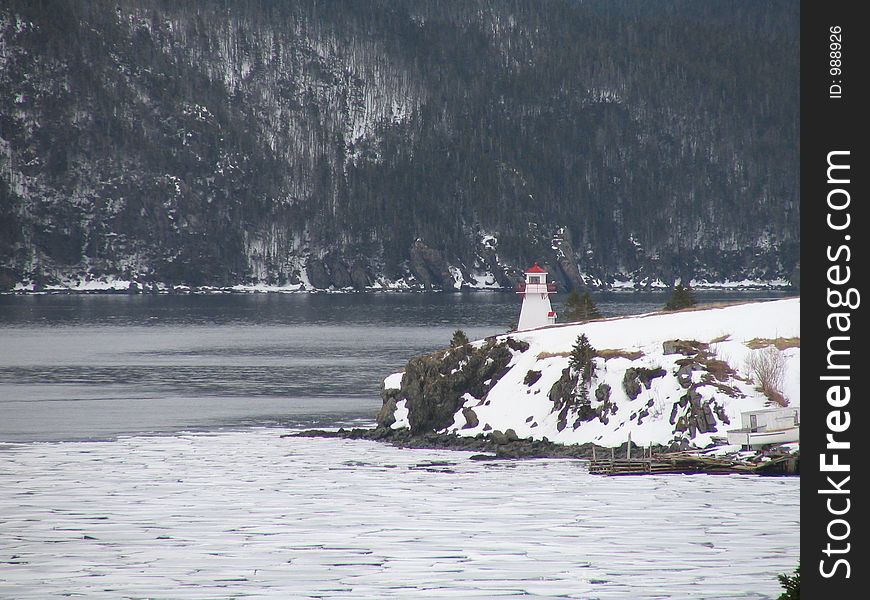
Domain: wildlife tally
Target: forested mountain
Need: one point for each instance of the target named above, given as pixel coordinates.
(344, 142)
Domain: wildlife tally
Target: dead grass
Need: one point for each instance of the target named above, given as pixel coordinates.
(606, 354)
(779, 343)
(609, 353)
(721, 338)
(710, 305)
(719, 369)
(707, 306)
(726, 389)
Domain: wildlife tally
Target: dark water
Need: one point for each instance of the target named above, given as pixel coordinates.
(96, 366)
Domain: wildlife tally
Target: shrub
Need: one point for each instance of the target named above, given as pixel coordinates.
(767, 367)
(791, 584)
(682, 297)
(580, 308)
(459, 339)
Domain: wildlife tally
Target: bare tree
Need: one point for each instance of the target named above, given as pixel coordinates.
(767, 368)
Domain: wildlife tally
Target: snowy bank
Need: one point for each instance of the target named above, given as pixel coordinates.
(680, 379)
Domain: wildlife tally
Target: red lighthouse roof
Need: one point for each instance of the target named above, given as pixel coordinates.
(536, 269)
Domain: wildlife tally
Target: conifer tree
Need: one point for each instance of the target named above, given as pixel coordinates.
(580, 308)
(791, 584)
(459, 339)
(581, 359)
(682, 297)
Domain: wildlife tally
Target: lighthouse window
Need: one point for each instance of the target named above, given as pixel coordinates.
(534, 279)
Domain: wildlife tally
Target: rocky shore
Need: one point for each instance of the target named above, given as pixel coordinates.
(497, 444)
(507, 445)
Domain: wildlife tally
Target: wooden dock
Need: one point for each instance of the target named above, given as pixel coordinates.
(688, 462)
(681, 463)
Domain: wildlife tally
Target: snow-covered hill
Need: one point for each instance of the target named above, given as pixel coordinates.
(666, 378)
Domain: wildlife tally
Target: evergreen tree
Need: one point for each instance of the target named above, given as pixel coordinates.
(581, 359)
(580, 308)
(791, 584)
(682, 297)
(459, 339)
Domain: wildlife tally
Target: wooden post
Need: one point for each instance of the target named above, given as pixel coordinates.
(613, 453)
(593, 452)
(628, 447)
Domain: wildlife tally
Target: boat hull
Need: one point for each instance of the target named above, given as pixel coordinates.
(761, 438)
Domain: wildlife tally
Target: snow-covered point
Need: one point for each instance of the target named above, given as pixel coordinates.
(719, 378)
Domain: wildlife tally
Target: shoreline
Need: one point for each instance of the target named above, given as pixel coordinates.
(503, 446)
(184, 290)
(508, 446)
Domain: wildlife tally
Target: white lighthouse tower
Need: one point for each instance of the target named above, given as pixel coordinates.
(536, 310)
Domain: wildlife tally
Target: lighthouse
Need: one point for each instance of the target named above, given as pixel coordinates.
(536, 310)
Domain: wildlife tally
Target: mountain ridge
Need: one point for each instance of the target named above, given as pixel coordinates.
(341, 145)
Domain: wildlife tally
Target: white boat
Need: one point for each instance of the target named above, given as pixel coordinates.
(748, 437)
(767, 426)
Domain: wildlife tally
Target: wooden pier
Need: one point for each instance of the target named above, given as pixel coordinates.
(680, 463)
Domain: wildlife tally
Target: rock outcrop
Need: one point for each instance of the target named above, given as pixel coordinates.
(429, 267)
(435, 386)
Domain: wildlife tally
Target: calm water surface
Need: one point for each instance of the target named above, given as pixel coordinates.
(95, 366)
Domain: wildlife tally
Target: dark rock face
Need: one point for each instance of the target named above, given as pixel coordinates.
(692, 414)
(684, 347)
(566, 266)
(531, 377)
(338, 271)
(386, 416)
(684, 374)
(561, 394)
(498, 438)
(429, 267)
(333, 271)
(8, 279)
(359, 276)
(697, 415)
(637, 378)
(433, 385)
(317, 274)
(491, 263)
(471, 420)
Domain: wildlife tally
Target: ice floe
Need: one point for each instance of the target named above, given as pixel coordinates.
(251, 514)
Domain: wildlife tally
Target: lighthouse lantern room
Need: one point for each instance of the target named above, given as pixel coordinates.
(536, 310)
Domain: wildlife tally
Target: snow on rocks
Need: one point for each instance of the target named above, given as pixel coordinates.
(679, 379)
(393, 382)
